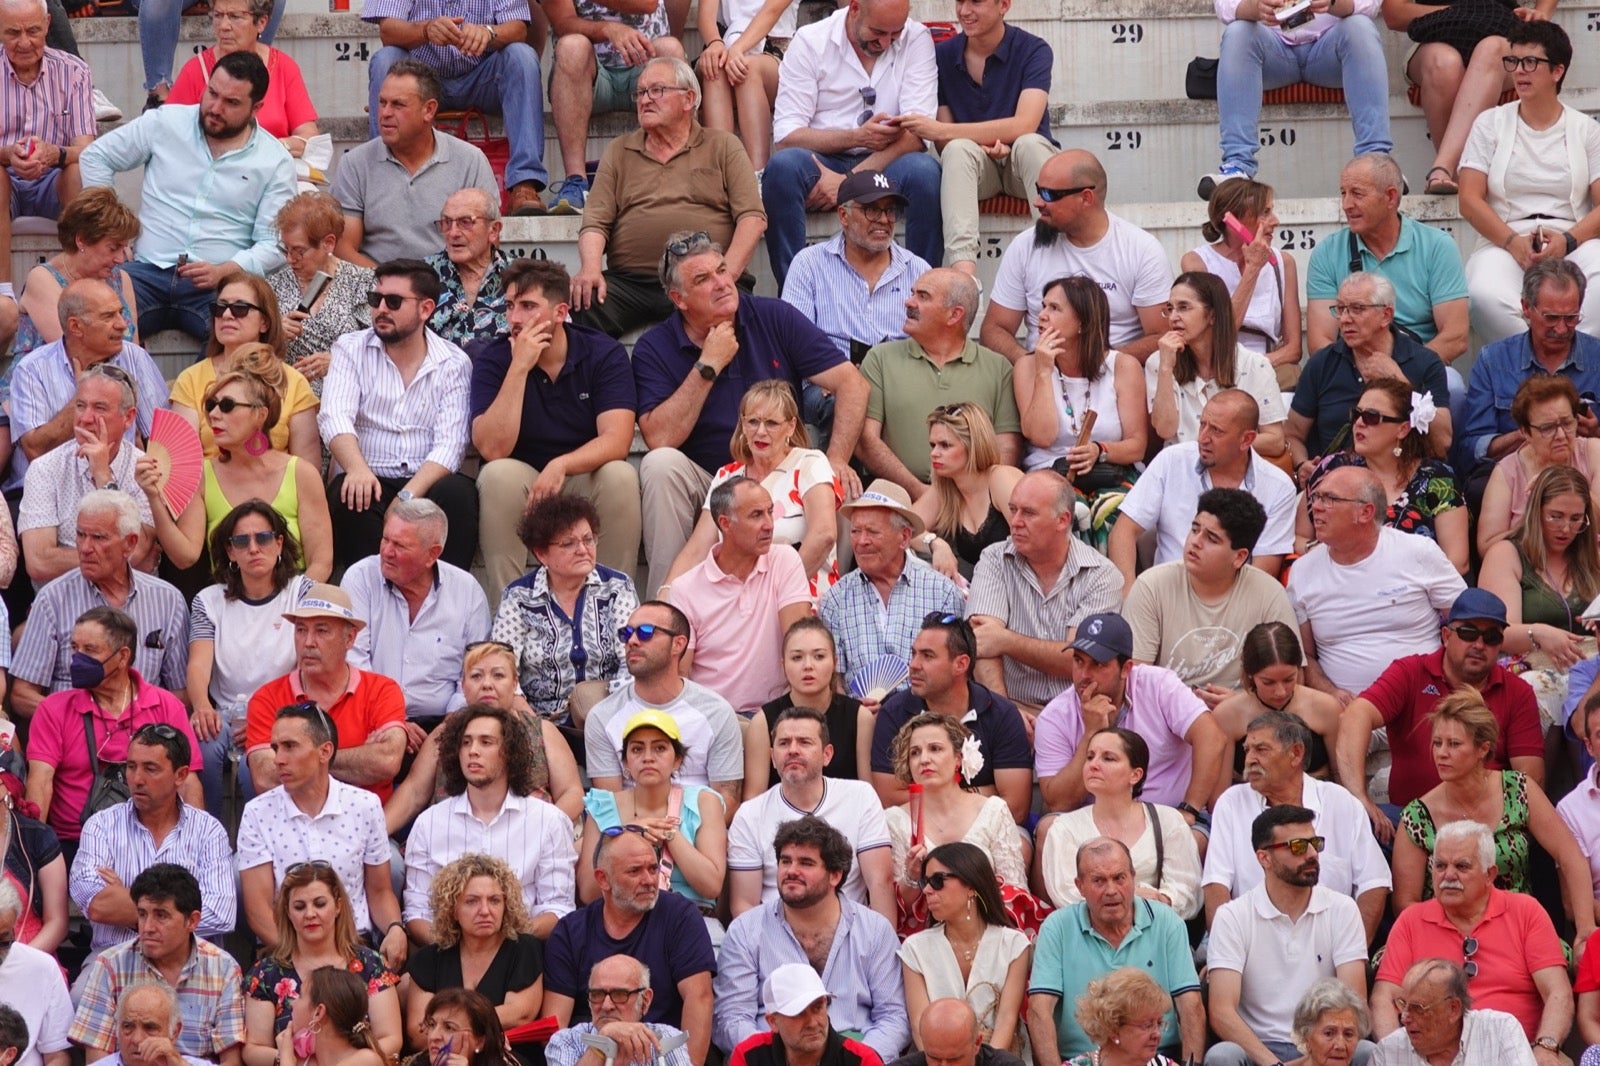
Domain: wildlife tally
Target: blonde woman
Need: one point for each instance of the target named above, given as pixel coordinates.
(965, 508)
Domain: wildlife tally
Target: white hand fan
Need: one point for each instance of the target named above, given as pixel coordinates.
(878, 676)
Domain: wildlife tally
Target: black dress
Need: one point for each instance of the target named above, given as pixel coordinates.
(841, 718)
(518, 964)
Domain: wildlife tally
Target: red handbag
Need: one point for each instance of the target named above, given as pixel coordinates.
(498, 149)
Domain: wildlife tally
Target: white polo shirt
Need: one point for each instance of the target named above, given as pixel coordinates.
(851, 807)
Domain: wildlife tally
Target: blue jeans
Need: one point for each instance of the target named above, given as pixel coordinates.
(214, 755)
(159, 21)
(167, 301)
(791, 174)
(1254, 57)
(504, 83)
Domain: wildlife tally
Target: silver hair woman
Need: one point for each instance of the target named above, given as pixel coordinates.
(1329, 1021)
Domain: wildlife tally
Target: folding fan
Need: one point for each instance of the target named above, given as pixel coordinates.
(175, 446)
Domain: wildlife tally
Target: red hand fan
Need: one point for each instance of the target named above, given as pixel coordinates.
(175, 446)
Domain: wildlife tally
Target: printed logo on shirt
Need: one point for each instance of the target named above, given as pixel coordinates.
(1430, 689)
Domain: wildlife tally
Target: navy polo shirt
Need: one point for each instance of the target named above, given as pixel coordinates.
(993, 719)
(1329, 386)
(775, 341)
(557, 416)
(1022, 61)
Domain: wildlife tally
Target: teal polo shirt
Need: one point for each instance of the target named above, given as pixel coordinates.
(1425, 268)
(1068, 954)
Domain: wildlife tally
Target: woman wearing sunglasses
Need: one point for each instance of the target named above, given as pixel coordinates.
(1546, 409)
(941, 755)
(684, 823)
(245, 312)
(1464, 735)
(315, 929)
(1530, 184)
(965, 511)
(238, 640)
(240, 407)
(973, 951)
(1387, 436)
(481, 944)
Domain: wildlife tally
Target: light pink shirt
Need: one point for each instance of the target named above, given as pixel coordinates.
(738, 650)
(1580, 809)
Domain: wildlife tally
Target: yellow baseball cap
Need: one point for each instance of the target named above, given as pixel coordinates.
(653, 719)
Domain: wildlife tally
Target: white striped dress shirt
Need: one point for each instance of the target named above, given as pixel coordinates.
(57, 108)
(532, 836)
(398, 427)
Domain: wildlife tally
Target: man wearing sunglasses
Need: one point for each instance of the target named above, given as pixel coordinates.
(1275, 941)
(1505, 941)
(394, 418)
(1404, 695)
(1075, 234)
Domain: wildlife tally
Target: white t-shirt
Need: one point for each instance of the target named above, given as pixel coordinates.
(1168, 492)
(1129, 264)
(32, 985)
(1285, 957)
(1366, 615)
(851, 807)
(1252, 373)
(712, 739)
(1539, 181)
(252, 643)
(1199, 641)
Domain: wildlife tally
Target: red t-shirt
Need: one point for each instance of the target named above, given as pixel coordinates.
(370, 705)
(1407, 692)
(287, 104)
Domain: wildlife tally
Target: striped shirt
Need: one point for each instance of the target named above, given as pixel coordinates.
(209, 994)
(533, 836)
(398, 427)
(116, 839)
(44, 381)
(864, 627)
(447, 60)
(828, 290)
(1004, 586)
(57, 107)
(59, 478)
(161, 652)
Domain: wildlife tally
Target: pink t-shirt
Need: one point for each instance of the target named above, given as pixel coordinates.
(287, 104)
(56, 739)
(738, 650)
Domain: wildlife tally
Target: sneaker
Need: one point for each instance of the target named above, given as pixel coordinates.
(568, 198)
(104, 109)
(1209, 183)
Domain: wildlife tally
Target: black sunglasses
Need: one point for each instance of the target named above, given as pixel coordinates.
(227, 405)
(679, 249)
(1050, 196)
(162, 730)
(1371, 416)
(645, 632)
(1490, 635)
(1469, 948)
(611, 832)
(937, 881)
(262, 538)
(236, 308)
(869, 98)
(391, 300)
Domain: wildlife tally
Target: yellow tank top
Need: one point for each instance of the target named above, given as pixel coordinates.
(286, 502)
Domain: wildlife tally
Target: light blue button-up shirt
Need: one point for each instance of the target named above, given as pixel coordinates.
(213, 209)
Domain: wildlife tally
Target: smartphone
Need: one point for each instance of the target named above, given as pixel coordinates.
(1240, 231)
(319, 281)
(183, 260)
(1297, 14)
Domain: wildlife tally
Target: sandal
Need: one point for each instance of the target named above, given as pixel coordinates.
(1443, 187)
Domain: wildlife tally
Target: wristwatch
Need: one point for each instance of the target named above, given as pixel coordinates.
(1549, 1043)
(707, 371)
(111, 485)
(405, 494)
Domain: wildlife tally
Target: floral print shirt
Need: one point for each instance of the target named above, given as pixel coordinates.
(460, 320)
(279, 985)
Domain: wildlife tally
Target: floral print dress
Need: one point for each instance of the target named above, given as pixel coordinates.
(1430, 492)
(279, 985)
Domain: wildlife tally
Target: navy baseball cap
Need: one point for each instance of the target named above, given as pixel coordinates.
(1103, 637)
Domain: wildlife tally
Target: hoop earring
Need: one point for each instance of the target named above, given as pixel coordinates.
(258, 444)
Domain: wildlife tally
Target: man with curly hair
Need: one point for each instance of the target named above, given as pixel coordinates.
(492, 810)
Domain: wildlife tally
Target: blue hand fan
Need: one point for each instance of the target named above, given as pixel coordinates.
(878, 676)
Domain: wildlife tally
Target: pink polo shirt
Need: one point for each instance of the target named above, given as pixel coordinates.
(1515, 939)
(56, 739)
(738, 650)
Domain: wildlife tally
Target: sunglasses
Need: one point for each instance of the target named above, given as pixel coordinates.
(1298, 845)
(1490, 635)
(939, 618)
(679, 249)
(645, 632)
(1050, 196)
(236, 308)
(1371, 416)
(106, 370)
(301, 867)
(391, 300)
(262, 539)
(499, 644)
(227, 405)
(869, 98)
(1469, 948)
(937, 881)
(158, 729)
(619, 996)
(611, 832)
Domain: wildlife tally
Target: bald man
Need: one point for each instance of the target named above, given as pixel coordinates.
(951, 1035)
(148, 1025)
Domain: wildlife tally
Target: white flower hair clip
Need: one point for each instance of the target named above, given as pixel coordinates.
(971, 759)
(1423, 411)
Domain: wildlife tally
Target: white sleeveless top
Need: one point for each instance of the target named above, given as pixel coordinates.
(1073, 396)
(1266, 302)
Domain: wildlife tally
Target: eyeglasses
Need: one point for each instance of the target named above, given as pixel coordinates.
(1493, 636)
(235, 308)
(656, 92)
(1548, 430)
(262, 538)
(618, 996)
(645, 631)
(869, 97)
(1328, 499)
(762, 425)
(391, 300)
(1469, 948)
(1566, 521)
(1371, 416)
(1528, 64)
(1560, 320)
(227, 405)
(464, 222)
(1149, 1025)
(1406, 1006)
(301, 867)
(572, 544)
(1340, 310)
(231, 16)
(883, 211)
(937, 881)
(1297, 846)
(1050, 196)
